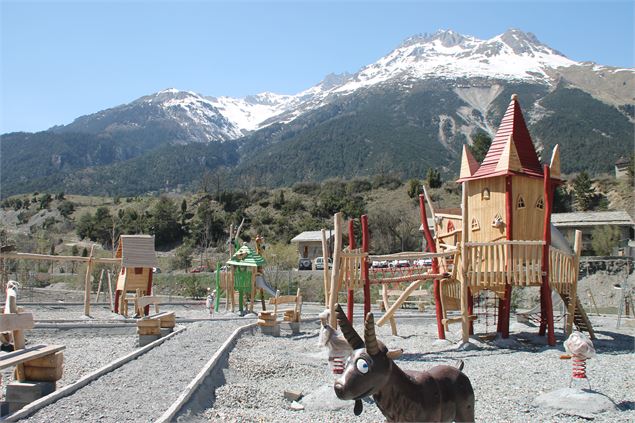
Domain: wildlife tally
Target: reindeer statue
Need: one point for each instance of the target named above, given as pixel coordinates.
(441, 394)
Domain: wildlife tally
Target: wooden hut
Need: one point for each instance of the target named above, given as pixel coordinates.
(138, 259)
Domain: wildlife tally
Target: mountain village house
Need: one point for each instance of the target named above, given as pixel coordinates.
(310, 243)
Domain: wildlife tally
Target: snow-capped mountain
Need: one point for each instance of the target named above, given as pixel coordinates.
(180, 116)
(511, 56)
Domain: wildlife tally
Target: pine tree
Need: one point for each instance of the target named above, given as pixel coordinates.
(480, 145)
(434, 178)
(582, 192)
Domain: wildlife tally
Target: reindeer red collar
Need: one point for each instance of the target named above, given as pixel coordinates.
(441, 394)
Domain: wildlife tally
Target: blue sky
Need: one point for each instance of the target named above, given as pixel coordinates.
(60, 60)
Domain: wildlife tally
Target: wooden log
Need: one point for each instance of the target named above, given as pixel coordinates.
(51, 360)
(45, 257)
(43, 374)
(393, 323)
(89, 268)
(144, 330)
(325, 272)
(149, 323)
(18, 357)
(268, 323)
(337, 249)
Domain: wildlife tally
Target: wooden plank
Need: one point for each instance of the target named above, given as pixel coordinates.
(390, 312)
(283, 299)
(147, 300)
(142, 330)
(393, 323)
(337, 223)
(16, 321)
(268, 323)
(148, 323)
(457, 319)
(18, 357)
(45, 257)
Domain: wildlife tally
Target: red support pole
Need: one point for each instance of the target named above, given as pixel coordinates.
(504, 307)
(365, 247)
(432, 248)
(545, 291)
(350, 300)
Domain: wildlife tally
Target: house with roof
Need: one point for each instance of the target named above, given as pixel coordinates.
(309, 243)
(588, 221)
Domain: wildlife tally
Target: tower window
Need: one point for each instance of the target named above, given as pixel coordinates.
(475, 224)
(540, 204)
(485, 194)
(520, 203)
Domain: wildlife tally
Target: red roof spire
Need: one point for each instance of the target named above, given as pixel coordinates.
(512, 138)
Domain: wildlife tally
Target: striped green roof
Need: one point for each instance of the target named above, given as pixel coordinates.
(245, 256)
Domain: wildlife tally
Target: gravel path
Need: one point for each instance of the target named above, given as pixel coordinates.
(141, 390)
(507, 376)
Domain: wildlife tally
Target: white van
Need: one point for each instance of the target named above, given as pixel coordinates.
(319, 263)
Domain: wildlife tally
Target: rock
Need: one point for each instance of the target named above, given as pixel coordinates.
(578, 402)
(296, 406)
(292, 395)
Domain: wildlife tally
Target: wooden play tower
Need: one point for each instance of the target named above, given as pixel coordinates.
(501, 240)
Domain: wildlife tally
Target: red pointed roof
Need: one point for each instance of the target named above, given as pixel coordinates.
(512, 124)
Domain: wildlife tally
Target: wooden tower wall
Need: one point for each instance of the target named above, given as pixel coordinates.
(485, 210)
(132, 280)
(528, 222)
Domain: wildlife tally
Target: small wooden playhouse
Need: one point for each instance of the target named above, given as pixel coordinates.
(138, 259)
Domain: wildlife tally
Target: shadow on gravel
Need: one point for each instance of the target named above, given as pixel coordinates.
(442, 357)
(626, 405)
(618, 343)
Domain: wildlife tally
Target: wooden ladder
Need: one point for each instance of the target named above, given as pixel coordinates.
(580, 318)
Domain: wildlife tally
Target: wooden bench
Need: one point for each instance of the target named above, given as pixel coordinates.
(269, 319)
(37, 368)
(152, 324)
(140, 302)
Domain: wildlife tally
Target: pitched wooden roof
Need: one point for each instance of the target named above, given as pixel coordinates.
(512, 151)
(137, 251)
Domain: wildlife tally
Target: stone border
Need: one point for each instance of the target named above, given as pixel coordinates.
(209, 368)
(67, 390)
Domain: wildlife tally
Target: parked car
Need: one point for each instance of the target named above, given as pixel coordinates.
(199, 269)
(379, 264)
(319, 263)
(400, 263)
(424, 262)
(304, 264)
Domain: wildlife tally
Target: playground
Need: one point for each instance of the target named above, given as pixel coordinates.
(252, 353)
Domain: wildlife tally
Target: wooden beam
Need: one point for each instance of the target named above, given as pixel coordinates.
(89, 269)
(337, 249)
(325, 270)
(464, 239)
(18, 357)
(365, 263)
(395, 306)
(350, 299)
(577, 249)
(45, 257)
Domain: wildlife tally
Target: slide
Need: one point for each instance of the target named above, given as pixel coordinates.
(559, 241)
(262, 283)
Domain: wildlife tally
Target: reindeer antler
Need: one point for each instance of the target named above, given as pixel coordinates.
(353, 338)
(369, 335)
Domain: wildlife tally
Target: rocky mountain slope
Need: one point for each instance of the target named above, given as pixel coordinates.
(410, 110)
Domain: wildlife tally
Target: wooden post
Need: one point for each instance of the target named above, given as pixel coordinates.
(18, 339)
(504, 304)
(325, 271)
(464, 287)
(384, 296)
(89, 268)
(112, 305)
(149, 290)
(337, 250)
(350, 300)
(577, 250)
(545, 291)
(432, 248)
(365, 264)
(101, 276)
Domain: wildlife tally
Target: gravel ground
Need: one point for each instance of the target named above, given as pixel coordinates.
(507, 375)
(141, 390)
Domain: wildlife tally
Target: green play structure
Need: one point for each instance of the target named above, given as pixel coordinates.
(244, 274)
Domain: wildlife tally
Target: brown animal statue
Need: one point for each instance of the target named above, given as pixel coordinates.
(442, 394)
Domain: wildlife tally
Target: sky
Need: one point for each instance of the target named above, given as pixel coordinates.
(61, 60)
